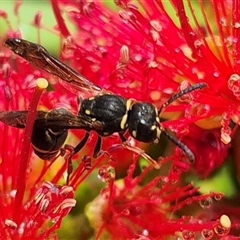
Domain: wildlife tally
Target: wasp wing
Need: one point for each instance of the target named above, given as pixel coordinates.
(16, 119)
(41, 58)
(57, 118)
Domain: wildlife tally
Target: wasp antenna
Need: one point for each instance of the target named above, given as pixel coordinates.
(182, 93)
(181, 145)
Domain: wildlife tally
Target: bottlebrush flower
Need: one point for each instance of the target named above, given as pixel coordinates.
(143, 53)
(147, 53)
(213, 150)
(135, 208)
(31, 207)
(139, 54)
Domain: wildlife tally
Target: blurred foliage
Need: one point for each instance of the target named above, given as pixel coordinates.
(24, 22)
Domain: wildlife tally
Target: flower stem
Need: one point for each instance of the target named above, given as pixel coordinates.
(25, 153)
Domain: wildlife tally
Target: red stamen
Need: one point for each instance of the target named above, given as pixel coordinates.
(25, 153)
(61, 24)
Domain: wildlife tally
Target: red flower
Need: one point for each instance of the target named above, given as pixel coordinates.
(28, 203)
(33, 202)
(213, 150)
(143, 52)
(135, 208)
(139, 53)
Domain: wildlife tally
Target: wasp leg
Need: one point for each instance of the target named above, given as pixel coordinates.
(82, 143)
(72, 152)
(61, 153)
(122, 137)
(98, 146)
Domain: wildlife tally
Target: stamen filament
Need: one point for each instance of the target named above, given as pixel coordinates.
(25, 153)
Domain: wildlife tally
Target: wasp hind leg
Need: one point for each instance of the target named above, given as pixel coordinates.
(72, 152)
(97, 149)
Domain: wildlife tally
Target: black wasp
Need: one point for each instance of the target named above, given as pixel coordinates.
(105, 113)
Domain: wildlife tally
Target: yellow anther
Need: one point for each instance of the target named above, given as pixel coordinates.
(225, 221)
(42, 83)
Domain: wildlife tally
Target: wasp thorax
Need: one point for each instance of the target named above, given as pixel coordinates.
(143, 122)
(110, 110)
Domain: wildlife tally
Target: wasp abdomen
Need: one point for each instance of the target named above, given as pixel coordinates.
(47, 142)
(110, 110)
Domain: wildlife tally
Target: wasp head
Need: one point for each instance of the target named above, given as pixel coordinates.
(143, 122)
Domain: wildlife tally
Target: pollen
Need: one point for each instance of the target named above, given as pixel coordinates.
(225, 138)
(155, 95)
(234, 77)
(233, 84)
(235, 118)
(225, 221)
(67, 203)
(124, 53)
(237, 25)
(11, 224)
(42, 83)
(66, 190)
(156, 25)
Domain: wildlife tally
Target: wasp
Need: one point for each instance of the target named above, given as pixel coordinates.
(105, 113)
(50, 128)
